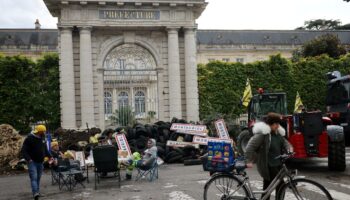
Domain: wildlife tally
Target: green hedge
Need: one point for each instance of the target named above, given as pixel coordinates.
(221, 84)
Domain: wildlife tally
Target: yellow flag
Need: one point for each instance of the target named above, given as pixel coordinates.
(247, 95)
(298, 104)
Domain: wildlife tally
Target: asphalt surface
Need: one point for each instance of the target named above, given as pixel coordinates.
(176, 182)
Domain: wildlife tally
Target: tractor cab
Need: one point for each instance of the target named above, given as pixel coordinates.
(263, 103)
(338, 101)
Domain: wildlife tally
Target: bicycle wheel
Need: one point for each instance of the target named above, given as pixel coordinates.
(224, 187)
(303, 189)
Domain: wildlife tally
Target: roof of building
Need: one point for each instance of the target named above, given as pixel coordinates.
(25, 37)
(49, 37)
(264, 37)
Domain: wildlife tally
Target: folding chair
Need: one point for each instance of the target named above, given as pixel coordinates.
(105, 160)
(67, 174)
(150, 174)
(54, 176)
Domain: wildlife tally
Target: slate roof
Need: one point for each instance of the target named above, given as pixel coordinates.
(49, 37)
(27, 37)
(264, 37)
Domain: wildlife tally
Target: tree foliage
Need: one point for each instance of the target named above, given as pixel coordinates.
(221, 84)
(29, 91)
(325, 44)
(321, 24)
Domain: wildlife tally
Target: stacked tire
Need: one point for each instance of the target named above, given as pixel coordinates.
(138, 135)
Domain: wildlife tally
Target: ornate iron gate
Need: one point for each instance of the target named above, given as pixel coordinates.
(130, 86)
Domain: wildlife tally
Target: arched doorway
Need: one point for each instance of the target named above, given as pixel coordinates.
(130, 73)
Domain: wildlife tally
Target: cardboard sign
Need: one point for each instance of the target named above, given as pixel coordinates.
(221, 129)
(188, 128)
(203, 134)
(79, 155)
(180, 144)
(204, 141)
(122, 143)
(160, 161)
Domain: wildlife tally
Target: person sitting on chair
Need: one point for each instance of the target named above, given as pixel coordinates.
(147, 161)
(55, 153)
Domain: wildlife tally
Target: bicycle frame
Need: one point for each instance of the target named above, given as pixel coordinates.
(275, 182)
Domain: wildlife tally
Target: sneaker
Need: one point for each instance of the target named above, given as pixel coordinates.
(41, 195)
(36, 196)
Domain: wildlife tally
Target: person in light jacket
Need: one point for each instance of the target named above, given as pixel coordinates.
(267, 143)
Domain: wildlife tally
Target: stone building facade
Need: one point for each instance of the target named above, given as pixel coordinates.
(140, 53)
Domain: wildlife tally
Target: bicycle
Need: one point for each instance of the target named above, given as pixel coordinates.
(236, 185)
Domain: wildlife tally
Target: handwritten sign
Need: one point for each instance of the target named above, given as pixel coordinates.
(203, 134)
(122, 143)
(221, 129)
(204, 140)
(188, 127)
(180, 144)
(79, 155)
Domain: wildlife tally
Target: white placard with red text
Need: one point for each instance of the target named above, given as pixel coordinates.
(171, 143)
(203, 134)
(204, 141)
(221, 129)
(123, 143)
(79, 155)
(188, 128)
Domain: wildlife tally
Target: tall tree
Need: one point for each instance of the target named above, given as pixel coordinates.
(326, 44)
(321, 24)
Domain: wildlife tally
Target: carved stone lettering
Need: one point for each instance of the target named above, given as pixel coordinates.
(130, 14)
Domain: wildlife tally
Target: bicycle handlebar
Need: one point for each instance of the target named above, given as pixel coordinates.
(285, 157)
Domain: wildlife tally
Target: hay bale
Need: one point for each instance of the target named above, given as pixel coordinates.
(10, 144)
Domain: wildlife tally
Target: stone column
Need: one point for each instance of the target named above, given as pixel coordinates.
(67, 90)
(192, 102)
(86, 78)
(174, 74)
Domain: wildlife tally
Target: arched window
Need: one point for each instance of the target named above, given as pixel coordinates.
(123, 99)
(108, 103)
(139, 103)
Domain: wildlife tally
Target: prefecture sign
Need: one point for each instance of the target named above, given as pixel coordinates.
(122, 14)
(221, 129)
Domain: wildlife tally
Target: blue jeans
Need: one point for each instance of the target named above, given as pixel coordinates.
(35, 170)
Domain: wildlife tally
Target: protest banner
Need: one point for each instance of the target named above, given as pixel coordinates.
(180, 144)
(221, 129)
(203, 134)
(204, 141)
(188, 128)
(79, 155)
(123, 143)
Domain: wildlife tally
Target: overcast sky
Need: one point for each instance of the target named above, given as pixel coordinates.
(219, 14)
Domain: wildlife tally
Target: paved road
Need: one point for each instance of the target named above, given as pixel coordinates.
(176, 182)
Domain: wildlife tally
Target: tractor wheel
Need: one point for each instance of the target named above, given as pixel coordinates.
(242, 141)
(336, 156)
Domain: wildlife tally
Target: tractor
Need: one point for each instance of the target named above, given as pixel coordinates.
(310, 134)
(338, 101)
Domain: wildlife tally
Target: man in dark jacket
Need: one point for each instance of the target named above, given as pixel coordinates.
(34, 150)
(267, 143)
